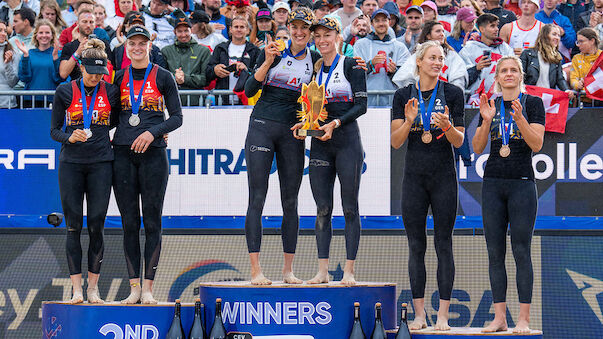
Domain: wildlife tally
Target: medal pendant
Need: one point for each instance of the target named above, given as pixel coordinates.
(134, 120)
(426, 137)
(505, 150)
(88, 132)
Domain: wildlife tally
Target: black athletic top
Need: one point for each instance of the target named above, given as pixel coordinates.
(69, 113)
(518, 165)
(424, 158)
(161, 92)
(282, 86)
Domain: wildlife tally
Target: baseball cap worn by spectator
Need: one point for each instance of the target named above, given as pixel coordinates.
(392, 9)
(264, 13)
(182, 21)
(430, 4)
(198, 17)
(328, 23)
(134, 18)
(415, 8)
(320, 4)
(380, 11)
(95, 66)
(535, 2)
(302, 14)
(466, 14)
(138, 30)
(281, 5)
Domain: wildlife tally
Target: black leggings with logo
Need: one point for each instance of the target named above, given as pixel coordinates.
(93, 180)
(140, 176)
(265, 139)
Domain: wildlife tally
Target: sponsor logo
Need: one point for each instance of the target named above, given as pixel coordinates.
(26, 157)
(254, 148)
(318, 162)
(53, 330)
(129, 331)
(590, 289)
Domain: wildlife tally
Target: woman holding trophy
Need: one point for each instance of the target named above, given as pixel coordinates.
(338, 152)
(429, 115)
(280, 72)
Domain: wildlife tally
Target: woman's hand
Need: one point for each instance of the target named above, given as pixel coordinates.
(487, 109)
(571, 94)
(78, 135)
(142, 143)
(241, 66)
(361, 63)
(271, 50)
(295, 127)
(8, 56)
(411, 110)
(21, 46)
(442, 120)
(55, 51)
(328, 129)
(120, 34)
(516, 111)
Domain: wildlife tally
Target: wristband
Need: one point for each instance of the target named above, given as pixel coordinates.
(337, 123)
(76, 57)
(444, 131)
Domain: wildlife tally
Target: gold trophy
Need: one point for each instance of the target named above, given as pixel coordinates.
(313, 110)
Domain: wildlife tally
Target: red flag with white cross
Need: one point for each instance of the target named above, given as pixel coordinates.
(556, 104)
(593, 83)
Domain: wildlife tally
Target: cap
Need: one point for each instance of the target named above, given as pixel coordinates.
(138, 30)
(466, 14)
(335, 3)
(264, 13)
(135, 17)
(415, 8)
(197, 17)
(379, 11)
(303, 14)
(281, 5)
(320, 4)
(182, 21)
(95, 66)
(430, 4)
(535, 2)
(328, 23)
(166, 2)
(392, 9)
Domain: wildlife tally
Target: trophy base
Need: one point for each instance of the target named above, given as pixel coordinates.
(310, 132)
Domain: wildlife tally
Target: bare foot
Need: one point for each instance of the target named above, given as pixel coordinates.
(442, 323)
(134, 296)
(497, 325)
(522, 327)
(290, 278)
(146, 297)
(93, 297)
(319, 278)
(78, 298)
(418, 324)
(260, 279)
(348, 279)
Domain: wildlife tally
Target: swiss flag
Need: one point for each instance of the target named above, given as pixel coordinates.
(593, 83)
(556, 104)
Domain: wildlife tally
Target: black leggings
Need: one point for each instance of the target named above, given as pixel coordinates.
(342, 156)
(511, 202)
(266, 138)
(419, 191)
(141, 176)
(94, 180)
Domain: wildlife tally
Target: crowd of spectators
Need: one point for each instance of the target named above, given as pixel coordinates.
(209, 44)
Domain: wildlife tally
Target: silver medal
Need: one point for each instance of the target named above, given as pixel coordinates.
(134, 120)
(88, 133)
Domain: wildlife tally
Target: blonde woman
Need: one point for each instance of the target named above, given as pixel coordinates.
(49, 10)
(39, 66)
(514, 124)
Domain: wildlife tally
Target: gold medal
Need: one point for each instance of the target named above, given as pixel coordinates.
(505, 150)
(426, 137)
(280, 45)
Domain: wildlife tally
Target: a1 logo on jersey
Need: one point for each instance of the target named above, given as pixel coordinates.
(294, 81)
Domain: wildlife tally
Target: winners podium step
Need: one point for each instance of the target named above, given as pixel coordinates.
(277, 311)
(471, 333)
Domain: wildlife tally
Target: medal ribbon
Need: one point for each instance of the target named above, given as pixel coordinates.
(331, 69)
(136, 103)
(288, 51)
(87, 111)
(426, 114)
(505, 131)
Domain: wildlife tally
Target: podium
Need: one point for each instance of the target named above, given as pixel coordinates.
(471, 333)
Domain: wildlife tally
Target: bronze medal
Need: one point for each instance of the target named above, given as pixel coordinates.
(505, 150)
(426, 137)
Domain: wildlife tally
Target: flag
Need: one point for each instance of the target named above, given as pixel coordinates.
(556, 104)
(593, 83)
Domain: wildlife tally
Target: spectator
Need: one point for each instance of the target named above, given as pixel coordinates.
(336, 5)
(573, 10)
(368, 7)
(50, 10)
(513, 6)
(242, 8)
(385, 53)
(454, 70)
(264, 26)
(322, 8)
(120, 59)
(403, 5)
(23, 24)
(72, 50)
(70, 13)
(218, 21)
(100, 14)
(588, 43)
(504, 16)
(160, 23)
(414, 24)
(542, 64)
(182, 5)
(394, 17)
(481, 56)
(72, 32)
(236, 51)
(296, 3)
(550, 15)
(8, 64)
(203, 32)
(446, 12)
(282, 33)
(430, 11)
(472, 4)
(39, 66)
(522, 33)
(348, 12)
(359, 29)
(463, 28)
(281, 11)
(123, 7)
(594, 16)
(9, 7)
(187, 60)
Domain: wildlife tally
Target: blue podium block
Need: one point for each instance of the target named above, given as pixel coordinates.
(471, 333)
(323, 311)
